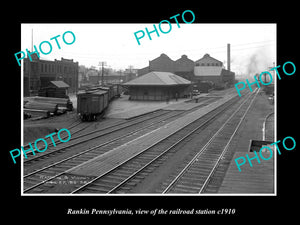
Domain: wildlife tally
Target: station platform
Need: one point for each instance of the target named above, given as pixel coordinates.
(124, 109)
(107, 161)
(258, 179)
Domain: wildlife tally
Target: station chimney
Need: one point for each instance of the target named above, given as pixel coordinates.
(228, 57)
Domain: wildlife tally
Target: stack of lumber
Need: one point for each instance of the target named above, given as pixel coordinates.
(61, 102)
(50, 107)
(36, 113)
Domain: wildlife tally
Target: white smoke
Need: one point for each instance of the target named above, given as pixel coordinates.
(257, 63)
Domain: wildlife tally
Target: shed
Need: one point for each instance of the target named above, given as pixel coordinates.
(158, 86)
(56, 89)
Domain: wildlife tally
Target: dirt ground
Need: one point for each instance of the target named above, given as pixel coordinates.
(34, 129)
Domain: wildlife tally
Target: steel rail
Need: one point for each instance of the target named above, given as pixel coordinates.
(175, 180)
(166, 151)
(94, 131)
(85, 140)
(157, 157)
(84, 152)
(136, 119)
(59, 174)
(227, 145)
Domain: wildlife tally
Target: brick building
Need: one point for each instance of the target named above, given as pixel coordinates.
(209, 69)
(38, 73)
(183, 66)
(206, 73)
(162, 63)
(207, 60)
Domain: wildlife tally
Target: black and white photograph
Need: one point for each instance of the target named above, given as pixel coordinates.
(144, 110)
(184, 112)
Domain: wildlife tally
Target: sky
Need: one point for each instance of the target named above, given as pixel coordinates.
(253, 46)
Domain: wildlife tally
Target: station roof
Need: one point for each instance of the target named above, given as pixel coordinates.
(156, 78)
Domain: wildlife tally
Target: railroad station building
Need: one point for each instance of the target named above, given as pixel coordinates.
(158, 86)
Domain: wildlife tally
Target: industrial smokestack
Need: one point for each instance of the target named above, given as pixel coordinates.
(228, 57)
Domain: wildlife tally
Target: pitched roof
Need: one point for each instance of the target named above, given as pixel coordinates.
(207, 70)
(158, 79)
(59, 84)
(207, 58)
(162, 56)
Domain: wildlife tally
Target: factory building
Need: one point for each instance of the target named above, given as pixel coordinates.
(183, 66)
(206, 73)
(38, 73)
(162, 63)
(158, 86)
(209, 70)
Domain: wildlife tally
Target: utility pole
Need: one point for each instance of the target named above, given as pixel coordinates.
(120, 76)
(102, 75)
(273, 72)
(31, 40)
(29, 64)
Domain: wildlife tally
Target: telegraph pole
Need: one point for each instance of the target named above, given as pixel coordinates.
(102, 74)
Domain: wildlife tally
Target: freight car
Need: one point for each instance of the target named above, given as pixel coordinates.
(113, 90)
(92, 102)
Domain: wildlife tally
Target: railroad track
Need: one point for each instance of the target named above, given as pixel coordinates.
(42, 179)
(75, 128)
(147, 156)
(37, 177)
(102, 132)
(197, 175)
(126, 175)
(134, 124)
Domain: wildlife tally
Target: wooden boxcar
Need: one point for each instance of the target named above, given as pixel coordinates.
(113, 90)
(108, 90)
(91, 103)
(117, 90)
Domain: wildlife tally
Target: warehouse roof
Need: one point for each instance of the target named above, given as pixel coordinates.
(207, 70)
(208, 59)
(158, 79)
(59, 84)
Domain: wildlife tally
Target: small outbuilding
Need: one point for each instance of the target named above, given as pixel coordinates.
(158, 86)
(56, 89)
